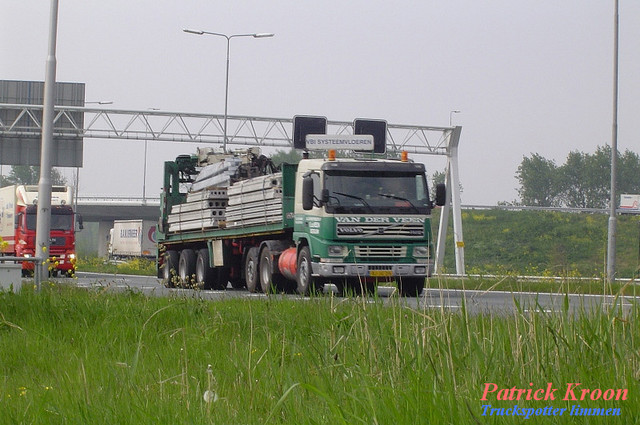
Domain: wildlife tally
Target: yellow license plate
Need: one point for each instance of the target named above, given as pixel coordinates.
(380, 273)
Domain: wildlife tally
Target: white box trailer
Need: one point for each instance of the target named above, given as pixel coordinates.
(630, 203)
(132, 238)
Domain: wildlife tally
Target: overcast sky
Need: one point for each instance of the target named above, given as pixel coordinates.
(529, 76)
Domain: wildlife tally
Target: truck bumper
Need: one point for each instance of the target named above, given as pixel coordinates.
(373, 270)
(63, 262)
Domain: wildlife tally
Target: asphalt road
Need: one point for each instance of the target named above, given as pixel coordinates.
(494, 302)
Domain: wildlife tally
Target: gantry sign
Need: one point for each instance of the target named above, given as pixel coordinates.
(164, 126)
(22, 146)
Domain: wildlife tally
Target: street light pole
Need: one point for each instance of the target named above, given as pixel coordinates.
(611, 239)
(43, 216)
(226, 91)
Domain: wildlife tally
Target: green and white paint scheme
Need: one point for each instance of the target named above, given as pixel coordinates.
(367, 219)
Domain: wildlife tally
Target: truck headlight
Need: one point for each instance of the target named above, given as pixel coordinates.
(336, 250)
(420, 251)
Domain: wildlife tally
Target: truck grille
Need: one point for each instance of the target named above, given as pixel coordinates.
(364, 251)
(380, 230)
(58, 241)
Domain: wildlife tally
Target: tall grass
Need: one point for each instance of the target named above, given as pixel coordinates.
(71, 356)
(134, 266)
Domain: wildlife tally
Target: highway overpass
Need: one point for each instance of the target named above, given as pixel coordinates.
(104, 210)
(99, 209)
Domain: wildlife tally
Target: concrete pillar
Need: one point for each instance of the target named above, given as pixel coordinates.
(103, 237)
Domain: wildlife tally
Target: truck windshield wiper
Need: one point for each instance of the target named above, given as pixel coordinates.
(400, 198)
(355, 197)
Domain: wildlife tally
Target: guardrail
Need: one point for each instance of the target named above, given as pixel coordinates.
(83, 200)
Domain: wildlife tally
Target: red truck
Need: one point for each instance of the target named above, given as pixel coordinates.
(18, 208)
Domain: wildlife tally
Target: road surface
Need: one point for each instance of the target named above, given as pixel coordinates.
(495, 302)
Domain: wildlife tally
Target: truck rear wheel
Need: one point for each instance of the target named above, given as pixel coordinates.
(266, 272)
(251, 269)
(186, 266)
(270, 280)
(170, 268)
(206, 275)
(410, 286)
(304, 278)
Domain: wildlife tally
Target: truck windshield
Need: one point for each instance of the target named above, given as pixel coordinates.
(398, 193)
(60, 220)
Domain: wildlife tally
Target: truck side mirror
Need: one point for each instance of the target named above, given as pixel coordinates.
(16, 222)
(80, 222)
(307, 193)
(441, 194)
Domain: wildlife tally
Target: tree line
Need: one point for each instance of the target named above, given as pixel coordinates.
(25, 174)
(583, 181)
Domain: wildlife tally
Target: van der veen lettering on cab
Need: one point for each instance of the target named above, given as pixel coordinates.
(573, 392)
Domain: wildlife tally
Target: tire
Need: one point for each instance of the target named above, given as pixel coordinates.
(265, 267)
(251, 270)
(271, 281)
(410, 286)
(170, 268)
(186, 266)
(305, 282)
(205, 275)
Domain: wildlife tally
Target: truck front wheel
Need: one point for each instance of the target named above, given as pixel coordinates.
(304, 279)
(206, 275)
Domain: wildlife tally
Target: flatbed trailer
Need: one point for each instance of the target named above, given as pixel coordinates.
(352, 222)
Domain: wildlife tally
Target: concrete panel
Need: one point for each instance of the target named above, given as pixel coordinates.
(103, 237)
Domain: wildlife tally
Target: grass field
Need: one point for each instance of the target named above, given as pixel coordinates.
(536, 243)
(70, 356)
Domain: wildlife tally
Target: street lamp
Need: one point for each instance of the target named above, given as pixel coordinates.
(451, 116)
(226, 93)
(612, 225)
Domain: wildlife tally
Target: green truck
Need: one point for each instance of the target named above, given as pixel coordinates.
(351, 222)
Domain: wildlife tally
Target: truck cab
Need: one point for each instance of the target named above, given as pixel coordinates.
(21, 204)
(364, 221)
